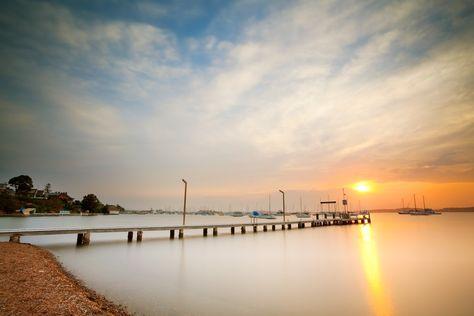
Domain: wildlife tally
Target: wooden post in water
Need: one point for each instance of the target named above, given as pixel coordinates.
(79, 239)
(130, 237)
(16, 238)
(172, 234)
(83, 239)
(242, 229)
(139, 236)
(214, 231)
(86, 238)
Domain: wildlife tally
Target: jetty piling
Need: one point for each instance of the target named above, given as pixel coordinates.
(15, 238)
(83, 239)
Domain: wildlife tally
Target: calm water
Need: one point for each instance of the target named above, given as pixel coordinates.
(399, 265)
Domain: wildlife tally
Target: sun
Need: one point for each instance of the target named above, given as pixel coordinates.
(362, 186)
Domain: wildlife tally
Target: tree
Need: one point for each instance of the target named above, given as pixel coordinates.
(90, 202)
(8, 203)
(47, 190)
(74, 207)
(22, 184)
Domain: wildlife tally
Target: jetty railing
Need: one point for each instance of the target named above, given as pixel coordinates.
(83, 234)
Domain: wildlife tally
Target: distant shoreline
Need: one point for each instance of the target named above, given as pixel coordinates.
(53, 215)
(443, 210)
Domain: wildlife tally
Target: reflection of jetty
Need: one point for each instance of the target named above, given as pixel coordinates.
(83, 234)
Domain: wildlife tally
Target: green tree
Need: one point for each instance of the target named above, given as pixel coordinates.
(90, 202)
(9, 203)
(22, 184)
(74, 207)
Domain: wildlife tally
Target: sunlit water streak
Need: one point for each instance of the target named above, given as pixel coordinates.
(370, 261)
(399, 265)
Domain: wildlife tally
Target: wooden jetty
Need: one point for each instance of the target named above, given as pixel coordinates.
(84, 234)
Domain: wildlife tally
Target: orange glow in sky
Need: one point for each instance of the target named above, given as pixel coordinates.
(362, 186)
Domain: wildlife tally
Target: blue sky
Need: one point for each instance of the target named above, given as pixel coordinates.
(243, 97)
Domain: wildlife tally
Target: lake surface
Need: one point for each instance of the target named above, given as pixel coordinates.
(398, 265)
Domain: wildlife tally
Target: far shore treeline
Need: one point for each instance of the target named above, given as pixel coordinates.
(19, 194)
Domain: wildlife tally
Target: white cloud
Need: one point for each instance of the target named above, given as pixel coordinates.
(309, 92)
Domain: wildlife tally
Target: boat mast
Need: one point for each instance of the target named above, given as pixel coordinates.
(403, 203)
(269, 203)
(344, 200)
(424, 207)
(414, 200)
(301, 205)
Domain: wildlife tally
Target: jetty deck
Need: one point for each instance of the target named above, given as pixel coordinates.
(83, 234)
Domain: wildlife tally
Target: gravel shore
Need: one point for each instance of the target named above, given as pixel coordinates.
(32, 282)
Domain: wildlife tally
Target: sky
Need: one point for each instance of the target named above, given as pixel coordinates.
(241, 98)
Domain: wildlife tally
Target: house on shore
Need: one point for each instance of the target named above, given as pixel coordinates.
(63, 196)
(112, 209)
(4, 189)
(37, 194)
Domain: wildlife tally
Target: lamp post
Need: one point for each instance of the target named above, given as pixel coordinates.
(184, 206)
(284, 209)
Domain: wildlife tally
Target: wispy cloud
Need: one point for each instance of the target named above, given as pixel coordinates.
(304, 93)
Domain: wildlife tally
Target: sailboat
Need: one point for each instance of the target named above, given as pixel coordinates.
(258, 214)
(301, 214)
(425, 211)
(261, 215)
(404, 211)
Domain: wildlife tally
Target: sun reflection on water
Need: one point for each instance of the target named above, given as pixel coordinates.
(370, 261)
